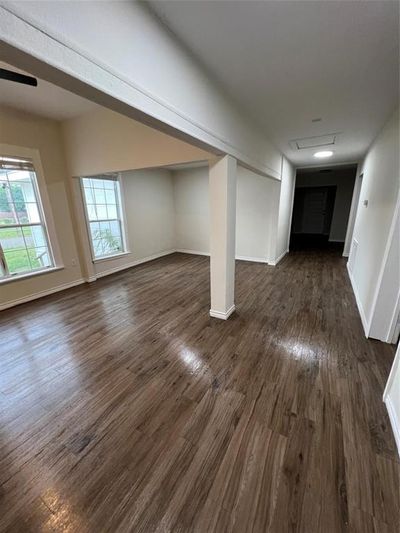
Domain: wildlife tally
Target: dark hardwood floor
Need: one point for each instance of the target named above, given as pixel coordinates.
(124, 407)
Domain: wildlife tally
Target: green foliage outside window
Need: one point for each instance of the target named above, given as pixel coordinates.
(17, 195)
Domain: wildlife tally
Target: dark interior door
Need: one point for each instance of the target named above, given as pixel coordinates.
(312, 213)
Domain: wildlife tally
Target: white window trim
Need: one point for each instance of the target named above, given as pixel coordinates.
(31, 274)
(124, 226)
(124, 235)
(110, 257)
(33, 155)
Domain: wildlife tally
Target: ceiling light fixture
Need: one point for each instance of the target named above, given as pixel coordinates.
(321, 155)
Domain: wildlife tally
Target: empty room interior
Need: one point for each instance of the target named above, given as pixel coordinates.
(199, 266)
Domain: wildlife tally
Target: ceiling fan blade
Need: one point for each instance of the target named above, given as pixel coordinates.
(17, 77)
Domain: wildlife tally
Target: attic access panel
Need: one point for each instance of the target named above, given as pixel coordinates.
(314, 142)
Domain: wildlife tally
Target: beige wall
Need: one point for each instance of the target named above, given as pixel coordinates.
(99, 141)
(29, 131)
(192, 209)
(105, 141)
(102, 141)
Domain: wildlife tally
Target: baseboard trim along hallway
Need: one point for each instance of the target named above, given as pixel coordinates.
(395, 423)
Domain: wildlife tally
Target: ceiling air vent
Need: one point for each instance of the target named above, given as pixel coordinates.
(314, 142)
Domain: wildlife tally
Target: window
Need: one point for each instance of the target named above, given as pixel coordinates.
(102, 199)
(24, 243)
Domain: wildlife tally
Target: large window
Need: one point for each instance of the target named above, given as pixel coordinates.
(102, 200)
(24, 243)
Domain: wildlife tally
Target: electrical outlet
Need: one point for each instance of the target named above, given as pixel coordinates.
(73, 262)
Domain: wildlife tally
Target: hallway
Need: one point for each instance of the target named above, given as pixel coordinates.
(126, 408)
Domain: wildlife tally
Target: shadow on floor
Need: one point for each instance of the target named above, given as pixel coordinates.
(310, 241)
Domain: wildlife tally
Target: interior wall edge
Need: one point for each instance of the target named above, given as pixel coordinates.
(279, 259)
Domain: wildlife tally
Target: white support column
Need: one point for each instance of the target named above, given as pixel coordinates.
(222, 190)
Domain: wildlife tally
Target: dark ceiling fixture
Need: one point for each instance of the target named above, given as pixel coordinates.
(9, 75)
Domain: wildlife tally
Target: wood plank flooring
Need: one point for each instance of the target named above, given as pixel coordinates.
(125, 408)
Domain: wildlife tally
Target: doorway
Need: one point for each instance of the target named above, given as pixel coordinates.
(322, 202)
(312, 216)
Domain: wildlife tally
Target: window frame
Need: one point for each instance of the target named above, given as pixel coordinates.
(121, 218)
(44, 208)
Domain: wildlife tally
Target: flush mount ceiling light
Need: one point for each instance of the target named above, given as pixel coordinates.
(324, 153)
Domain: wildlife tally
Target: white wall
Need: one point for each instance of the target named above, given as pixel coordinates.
(353, 212)
(386, 311)
(253, 215)
(254, 212)
(140, 69)
(343, 179)
(286, 197)
(380, 187)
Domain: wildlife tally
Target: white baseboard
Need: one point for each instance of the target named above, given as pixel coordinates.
(394, 422)
(393, 373)
(192, 252)
(221, 314)
(62, 287)
(364, 320)
(393, 417)
(238, 257)
(252, 259)
(125, 266)
(274, 263)
(40, 294)
(133, 263)
(392, 334)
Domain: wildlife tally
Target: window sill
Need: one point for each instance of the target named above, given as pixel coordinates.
(110, 257)
(30, 275)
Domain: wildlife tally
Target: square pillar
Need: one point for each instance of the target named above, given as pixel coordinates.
(222, 191)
